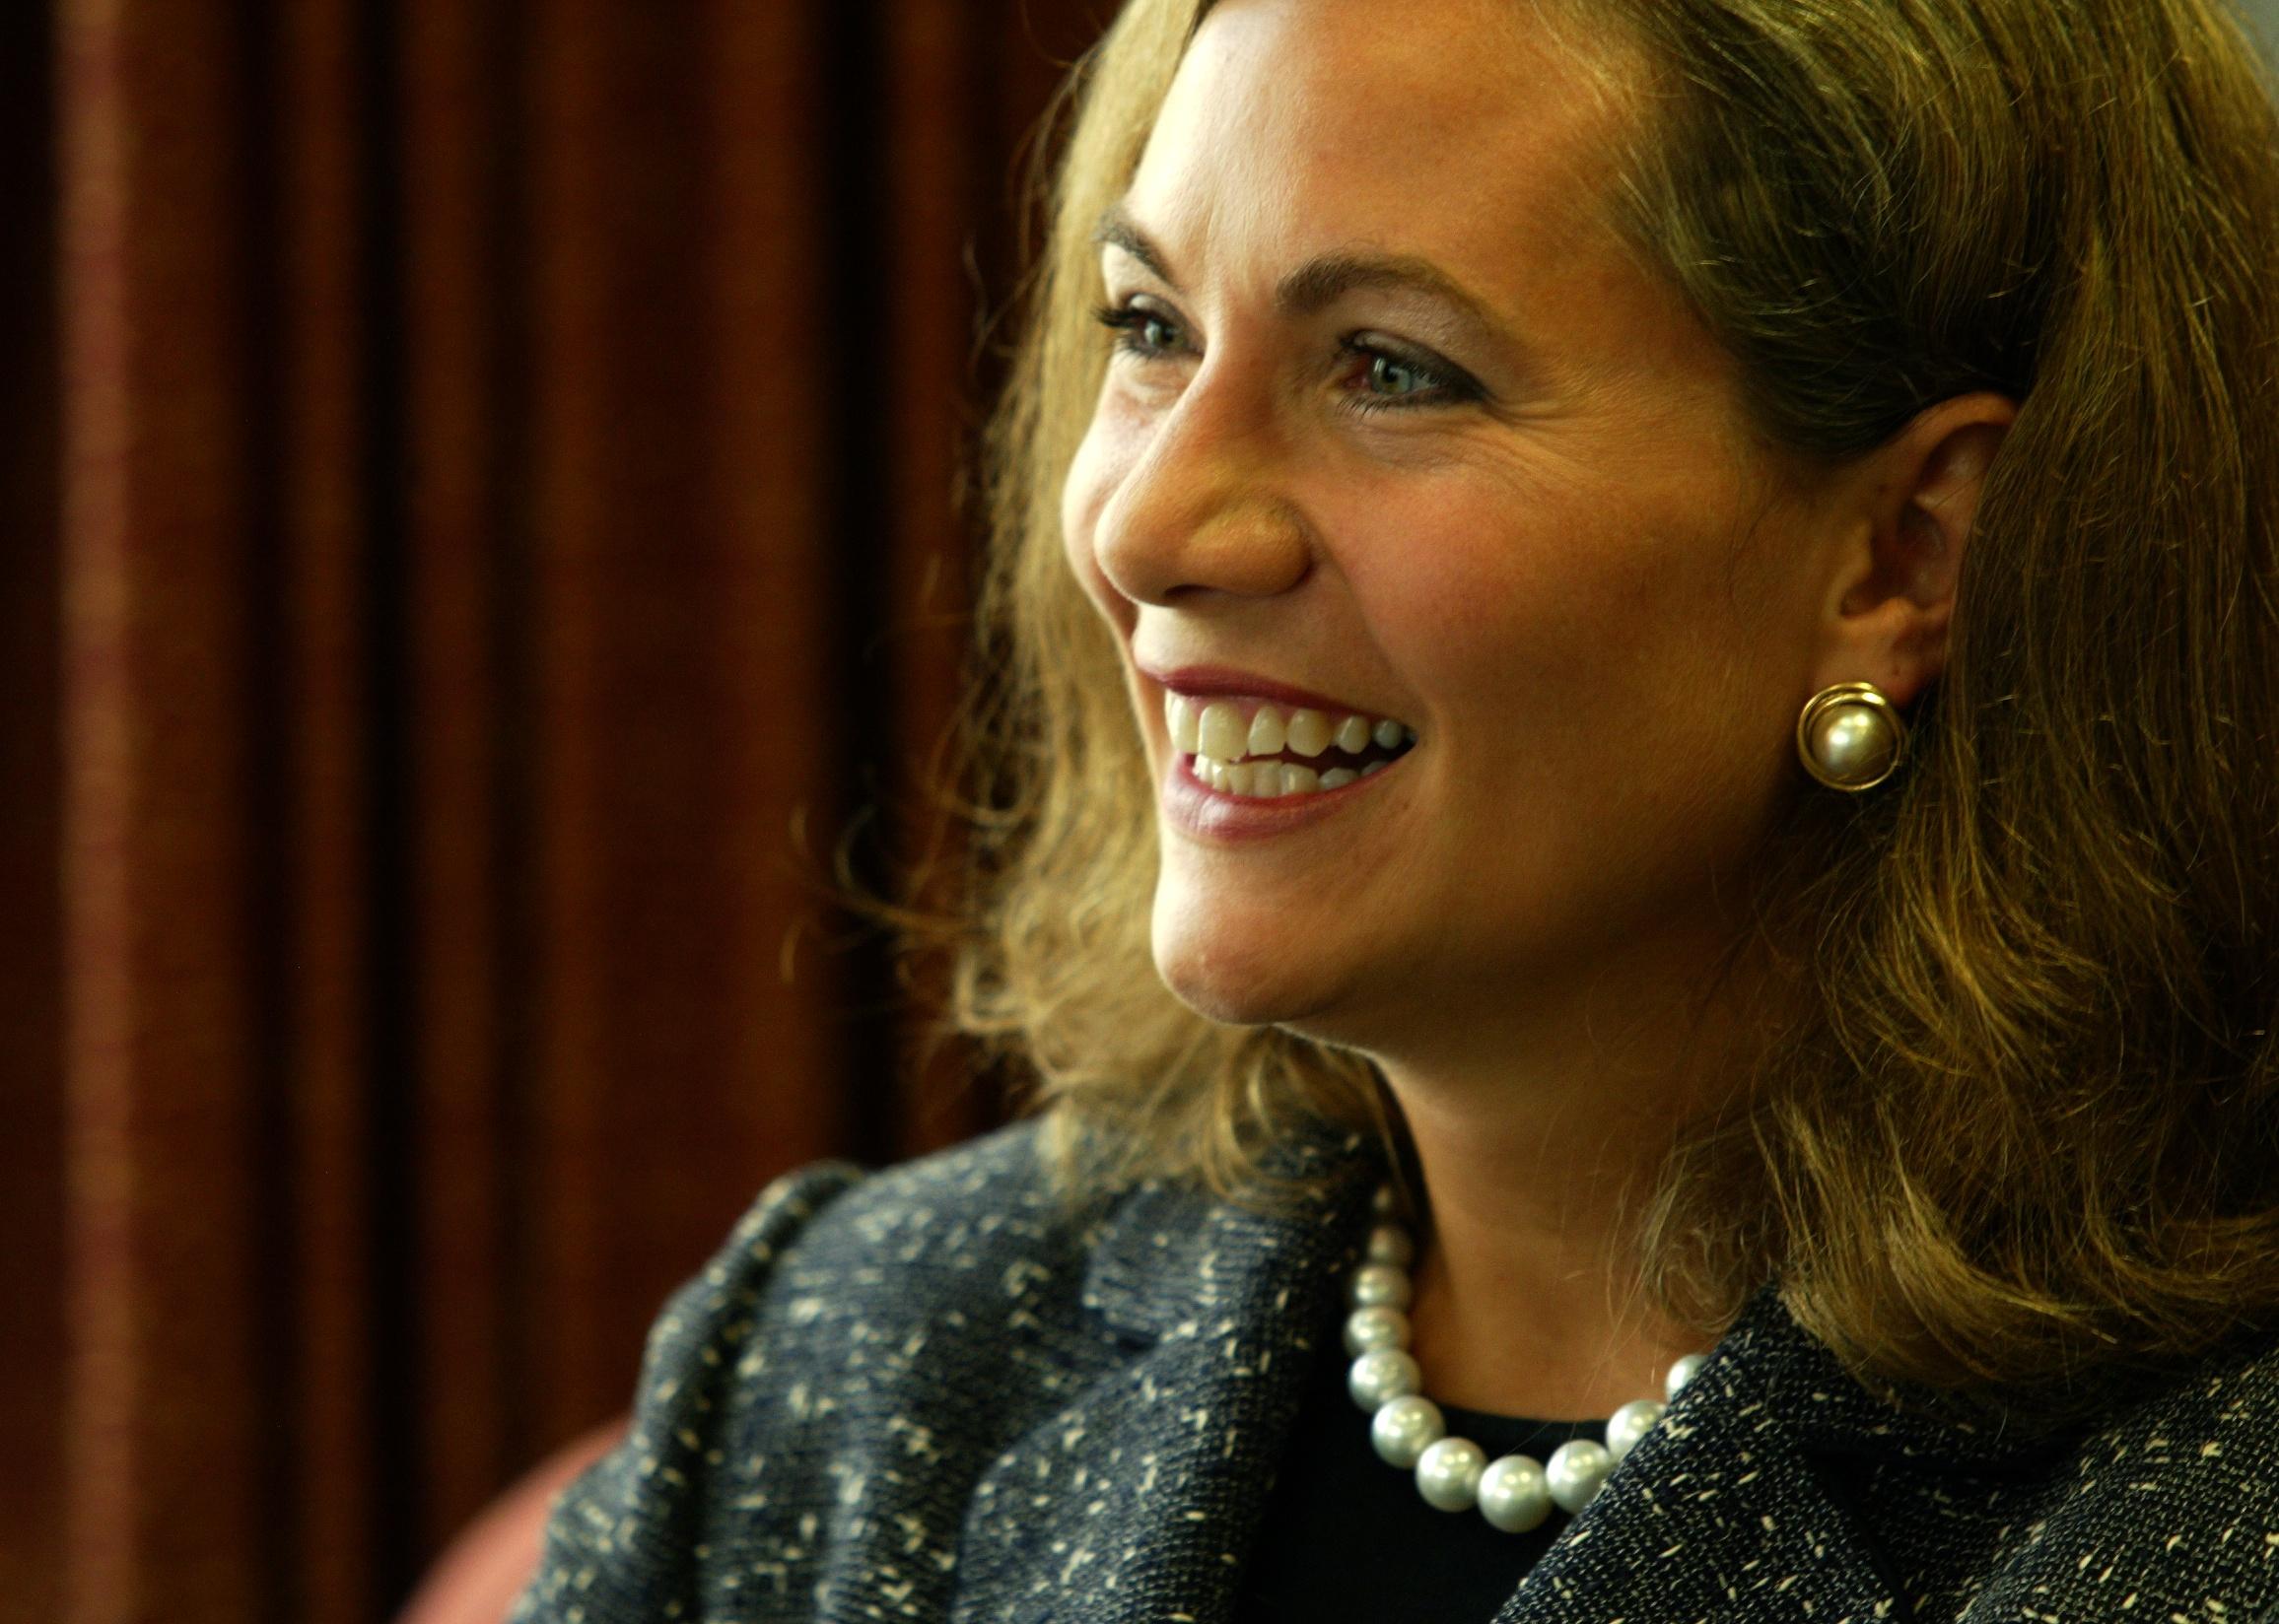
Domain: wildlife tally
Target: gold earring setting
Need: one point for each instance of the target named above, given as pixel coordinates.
(1852, 737)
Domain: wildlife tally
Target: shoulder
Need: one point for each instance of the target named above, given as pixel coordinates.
(838, 1286)
(2171, 1506)
(982, 1241)
(831, 1241)
(894, 1328)
(952, 1216)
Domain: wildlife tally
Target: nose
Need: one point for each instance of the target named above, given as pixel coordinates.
(1203, 508)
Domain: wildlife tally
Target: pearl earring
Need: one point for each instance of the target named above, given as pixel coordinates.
(1850, 737)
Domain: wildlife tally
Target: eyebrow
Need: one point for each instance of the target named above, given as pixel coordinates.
(1321, 282)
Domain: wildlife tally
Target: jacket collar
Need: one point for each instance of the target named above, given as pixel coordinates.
(1136, 1503)
(1719, 1512)
(1167, 1257)
(1170, 1457)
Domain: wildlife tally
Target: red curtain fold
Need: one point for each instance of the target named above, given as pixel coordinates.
(481, 537)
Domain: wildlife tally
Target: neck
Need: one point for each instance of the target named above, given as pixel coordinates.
(1535, 1179)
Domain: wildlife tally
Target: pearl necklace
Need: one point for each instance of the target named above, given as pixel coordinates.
(1407, 1429)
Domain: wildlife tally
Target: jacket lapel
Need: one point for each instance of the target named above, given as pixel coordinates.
(1724, 1512)
(1138, 1502)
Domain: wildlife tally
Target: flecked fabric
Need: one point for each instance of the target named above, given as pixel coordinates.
(940, 1394)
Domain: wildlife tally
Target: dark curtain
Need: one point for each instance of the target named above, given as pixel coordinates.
(479, 539)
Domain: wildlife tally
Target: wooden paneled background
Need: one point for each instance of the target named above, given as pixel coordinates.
(478, 535)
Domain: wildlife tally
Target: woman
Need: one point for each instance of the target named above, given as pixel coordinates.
(1697, 580)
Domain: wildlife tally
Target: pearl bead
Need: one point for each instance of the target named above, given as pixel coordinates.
(1408, 1431)
(1853, 743)
(1405, 1429)
(1448, 1474)
(1683, 1371)
(1513, 1496)
(1379, 1286)
(1390, 1244)
(1575, 1472)
(1378, 1327)
(1386, 1203)
(1381, 1376)
(1630, 1424)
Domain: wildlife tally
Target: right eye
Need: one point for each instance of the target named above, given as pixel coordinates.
(1140, 330)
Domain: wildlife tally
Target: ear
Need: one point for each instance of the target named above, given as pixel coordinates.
(1907, 518)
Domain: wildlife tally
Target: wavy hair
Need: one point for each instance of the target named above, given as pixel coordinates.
(2028, 1125)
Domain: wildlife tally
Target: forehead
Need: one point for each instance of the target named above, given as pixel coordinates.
(1446, 128)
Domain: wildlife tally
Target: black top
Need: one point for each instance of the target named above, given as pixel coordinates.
(1348, 1536)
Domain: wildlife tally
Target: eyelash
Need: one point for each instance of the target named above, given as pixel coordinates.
(1444, 385)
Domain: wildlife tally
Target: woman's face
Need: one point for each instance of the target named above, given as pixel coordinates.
(1395, 430)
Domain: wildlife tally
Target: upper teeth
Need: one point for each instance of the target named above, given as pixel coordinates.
(1229, 732)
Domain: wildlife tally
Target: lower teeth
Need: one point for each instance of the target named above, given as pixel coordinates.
(1275, 779)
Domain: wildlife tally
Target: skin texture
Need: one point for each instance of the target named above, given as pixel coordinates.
(1542, 534)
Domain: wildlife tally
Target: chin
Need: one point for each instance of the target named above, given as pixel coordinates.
(1241, 977)
(1229, 993)
(1222, 972)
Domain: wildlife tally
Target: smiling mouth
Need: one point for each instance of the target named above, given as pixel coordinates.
(1263, 751)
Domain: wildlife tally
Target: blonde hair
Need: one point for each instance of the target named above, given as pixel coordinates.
(2031, 1124)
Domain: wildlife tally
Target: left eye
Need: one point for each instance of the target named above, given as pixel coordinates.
(1387, 380)
(1391, 376)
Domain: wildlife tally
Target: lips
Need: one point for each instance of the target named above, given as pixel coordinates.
(1249, 690)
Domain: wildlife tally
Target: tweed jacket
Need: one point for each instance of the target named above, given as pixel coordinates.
(944, 1392)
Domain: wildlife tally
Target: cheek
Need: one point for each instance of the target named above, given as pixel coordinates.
(1476, 591)
(1587, 629)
